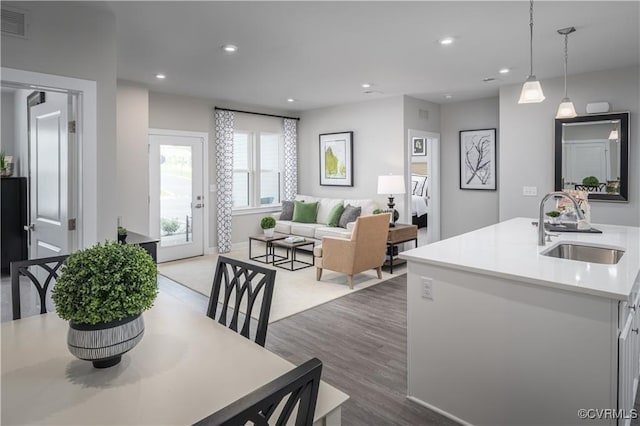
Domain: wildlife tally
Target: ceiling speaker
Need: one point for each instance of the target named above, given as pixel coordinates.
(597, 107)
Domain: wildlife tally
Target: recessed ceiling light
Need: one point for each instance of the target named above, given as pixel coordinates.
(291, 100)
(161, 76)
(504, 71)
(230, 48)
(446, 41)
(366, 85)
(448, 96)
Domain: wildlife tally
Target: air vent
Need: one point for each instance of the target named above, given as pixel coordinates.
(14, 22)
(423, 114)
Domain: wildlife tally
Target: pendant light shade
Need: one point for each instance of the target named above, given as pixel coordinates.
(531, 90)
(566, 108)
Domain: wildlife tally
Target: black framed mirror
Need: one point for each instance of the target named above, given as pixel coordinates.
(592, 154)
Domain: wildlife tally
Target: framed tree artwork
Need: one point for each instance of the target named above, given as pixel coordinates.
(478, 159)
(336, 159)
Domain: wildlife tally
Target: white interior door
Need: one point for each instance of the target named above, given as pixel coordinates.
(49, 177)
(176, 195)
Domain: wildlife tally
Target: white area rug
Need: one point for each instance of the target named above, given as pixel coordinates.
(294, 291)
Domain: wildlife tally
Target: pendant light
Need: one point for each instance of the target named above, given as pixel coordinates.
(531, 90)
(566, 108)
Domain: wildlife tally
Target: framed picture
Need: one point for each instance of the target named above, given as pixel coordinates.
(478, 159)
(419, 146)
(336, 159)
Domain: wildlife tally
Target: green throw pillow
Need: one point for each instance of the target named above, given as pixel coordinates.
(334, 215)
(305, 212)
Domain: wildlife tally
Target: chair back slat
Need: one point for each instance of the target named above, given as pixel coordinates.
(299, 386)
(21, 268)
(241, 282)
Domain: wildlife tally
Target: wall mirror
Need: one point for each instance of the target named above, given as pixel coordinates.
(592, 154)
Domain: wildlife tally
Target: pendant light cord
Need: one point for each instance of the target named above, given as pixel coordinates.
(566, 59)
(531, 38)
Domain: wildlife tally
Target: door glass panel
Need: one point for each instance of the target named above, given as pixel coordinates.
(48, 167)
(176, 195)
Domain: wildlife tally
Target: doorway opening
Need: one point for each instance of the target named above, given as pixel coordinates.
(423, 189)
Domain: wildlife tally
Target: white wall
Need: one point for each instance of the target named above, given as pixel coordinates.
(465, 210)
(527, 141)
(133, 163)
(7, 123)
(378, 146)
(74, 40)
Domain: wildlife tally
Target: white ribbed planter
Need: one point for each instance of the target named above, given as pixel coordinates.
(104, 343)
(269, 232)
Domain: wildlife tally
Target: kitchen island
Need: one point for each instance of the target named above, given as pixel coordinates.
(499, 333)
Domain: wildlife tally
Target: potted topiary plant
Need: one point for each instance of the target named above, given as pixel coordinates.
(102, 292)
(122, 234)
(591, 181)
(268, 225)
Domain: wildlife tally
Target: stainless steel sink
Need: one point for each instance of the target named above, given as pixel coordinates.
(585, 253)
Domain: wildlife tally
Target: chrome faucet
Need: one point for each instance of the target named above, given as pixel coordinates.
(557, 194)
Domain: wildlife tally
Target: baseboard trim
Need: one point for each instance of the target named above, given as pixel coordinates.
(439, 411)
(234, 246)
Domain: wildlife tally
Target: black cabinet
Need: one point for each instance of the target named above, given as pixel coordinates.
(14, 218)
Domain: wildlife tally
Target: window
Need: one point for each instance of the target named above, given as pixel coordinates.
(257, 169)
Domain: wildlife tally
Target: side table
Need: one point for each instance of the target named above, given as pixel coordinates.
(269, 254)
(401, 233)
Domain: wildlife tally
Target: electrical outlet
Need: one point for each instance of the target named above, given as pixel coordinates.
(427, 288)
(530, 191)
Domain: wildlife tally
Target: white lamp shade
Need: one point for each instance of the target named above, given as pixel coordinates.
(531, 92)
(391, 184)
(566, 109)
(613, 135)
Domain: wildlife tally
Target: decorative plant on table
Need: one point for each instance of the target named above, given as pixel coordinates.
(122, 234)
(268, 225)
(102, 292)
(590, 181)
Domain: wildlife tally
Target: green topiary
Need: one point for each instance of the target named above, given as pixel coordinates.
(591, 181)
(104, 283)
(267, 222)
(553, 213)
(378, 211)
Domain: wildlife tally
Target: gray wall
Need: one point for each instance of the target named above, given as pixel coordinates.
(133, 163)
(527, 141)
(465, 210)
(378, 146)
(7, 122)
(77, 41)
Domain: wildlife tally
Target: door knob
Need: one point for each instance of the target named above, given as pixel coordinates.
(198, 206)
(29, 227)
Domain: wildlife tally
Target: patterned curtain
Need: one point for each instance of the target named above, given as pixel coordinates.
(290, 159)
(224, 178)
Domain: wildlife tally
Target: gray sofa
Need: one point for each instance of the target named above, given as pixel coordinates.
(315, 231)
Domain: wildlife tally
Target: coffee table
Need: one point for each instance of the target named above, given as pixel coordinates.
(292, 251)
(268, 251)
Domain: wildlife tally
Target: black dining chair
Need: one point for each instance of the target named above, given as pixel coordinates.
(300, 385)
(50, 265)
(240, 281)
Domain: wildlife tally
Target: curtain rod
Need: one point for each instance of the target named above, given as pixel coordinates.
(256, 113)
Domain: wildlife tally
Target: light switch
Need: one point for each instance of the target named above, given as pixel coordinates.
(427, 287)
(530, 191)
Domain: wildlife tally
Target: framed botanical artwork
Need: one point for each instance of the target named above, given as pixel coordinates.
(336, 159)
(419, 146)
(478, 159)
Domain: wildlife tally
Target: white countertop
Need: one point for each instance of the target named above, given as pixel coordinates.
(510, 250)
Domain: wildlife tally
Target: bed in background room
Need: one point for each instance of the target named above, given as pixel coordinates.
(419, 194)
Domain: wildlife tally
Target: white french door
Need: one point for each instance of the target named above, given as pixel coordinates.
(176, 164)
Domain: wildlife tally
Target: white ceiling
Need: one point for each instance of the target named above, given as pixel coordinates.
(320, 52)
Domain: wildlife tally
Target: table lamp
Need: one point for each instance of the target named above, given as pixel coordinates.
(391, 185)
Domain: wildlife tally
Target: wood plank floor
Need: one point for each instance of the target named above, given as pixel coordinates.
(362, 341)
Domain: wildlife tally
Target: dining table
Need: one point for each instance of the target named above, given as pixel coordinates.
(186, 367)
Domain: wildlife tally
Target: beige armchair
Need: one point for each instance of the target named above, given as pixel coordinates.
(365, 250)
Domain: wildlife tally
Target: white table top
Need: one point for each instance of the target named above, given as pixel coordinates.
(510, 250)
(186, 367)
